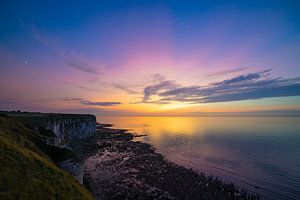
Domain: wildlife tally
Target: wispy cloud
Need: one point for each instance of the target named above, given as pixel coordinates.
(92, 103)
(244, 87)
(158, 88)
(125, 88)
(97, 103)
(72, 58)
(226, 72)
(80, 62)
(79, 86)
(137, 88)
(245, 78)
(157, 78)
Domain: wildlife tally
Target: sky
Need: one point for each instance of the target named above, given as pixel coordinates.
(150, 57)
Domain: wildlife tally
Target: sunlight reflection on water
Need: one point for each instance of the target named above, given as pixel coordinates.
(261, 154)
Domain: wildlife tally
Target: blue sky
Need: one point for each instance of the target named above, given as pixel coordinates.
(103, 56)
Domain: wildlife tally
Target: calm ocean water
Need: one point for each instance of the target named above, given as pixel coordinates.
(261, 154)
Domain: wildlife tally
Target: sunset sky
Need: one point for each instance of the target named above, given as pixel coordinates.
(150, 57)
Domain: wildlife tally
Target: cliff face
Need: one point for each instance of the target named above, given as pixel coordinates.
(55, 132)
(68, 128)
(27, 169)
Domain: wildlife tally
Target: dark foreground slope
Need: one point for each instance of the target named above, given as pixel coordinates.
(27, 169)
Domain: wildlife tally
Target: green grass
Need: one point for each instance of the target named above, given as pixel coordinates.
(26, 172)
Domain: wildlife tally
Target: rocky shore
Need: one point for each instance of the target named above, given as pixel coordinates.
(37, 149)
(115, 167)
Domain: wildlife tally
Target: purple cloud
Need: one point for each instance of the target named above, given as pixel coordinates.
(245, 87)
(92, 103)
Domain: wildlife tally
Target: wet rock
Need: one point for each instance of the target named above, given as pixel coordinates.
(125, 169)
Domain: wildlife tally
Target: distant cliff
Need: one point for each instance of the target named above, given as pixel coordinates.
(60, 128)
(69, 127)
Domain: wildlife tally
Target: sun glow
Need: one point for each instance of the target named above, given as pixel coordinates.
(174, 106)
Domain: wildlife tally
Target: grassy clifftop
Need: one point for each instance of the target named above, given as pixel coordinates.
(26, 172)
(43, 118)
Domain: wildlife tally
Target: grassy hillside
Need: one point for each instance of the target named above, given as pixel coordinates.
(26, 172)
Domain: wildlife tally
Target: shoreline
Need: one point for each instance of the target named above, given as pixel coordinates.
(117, 167)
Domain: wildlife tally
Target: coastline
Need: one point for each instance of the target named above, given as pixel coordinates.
(116, 167)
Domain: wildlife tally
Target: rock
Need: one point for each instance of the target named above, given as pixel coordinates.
(127, 169)
(67, 129)
(74, 168)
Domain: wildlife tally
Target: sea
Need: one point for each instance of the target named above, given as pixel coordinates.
(257, 153)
